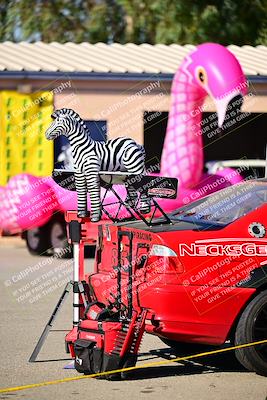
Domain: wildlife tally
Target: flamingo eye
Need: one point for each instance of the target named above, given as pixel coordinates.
(201, 75)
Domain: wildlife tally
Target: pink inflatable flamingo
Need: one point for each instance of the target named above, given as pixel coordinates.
(210, 69)
(26, 202)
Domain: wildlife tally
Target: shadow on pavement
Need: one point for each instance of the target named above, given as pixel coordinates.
(58, 359)
(222, 362)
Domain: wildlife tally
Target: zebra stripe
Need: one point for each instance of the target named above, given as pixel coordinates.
(119, 154)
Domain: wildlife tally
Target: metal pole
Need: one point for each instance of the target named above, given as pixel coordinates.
(76, 296)
(75, 237)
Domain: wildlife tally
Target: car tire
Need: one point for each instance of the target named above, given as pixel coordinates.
(37, 240)
(57, 234)
(252, 327)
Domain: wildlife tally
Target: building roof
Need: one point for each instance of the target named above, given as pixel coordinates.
(114, 58)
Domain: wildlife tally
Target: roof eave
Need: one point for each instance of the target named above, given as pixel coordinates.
(83, 75)
(101, 76)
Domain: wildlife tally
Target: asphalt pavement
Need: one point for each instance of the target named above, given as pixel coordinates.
(30, 288)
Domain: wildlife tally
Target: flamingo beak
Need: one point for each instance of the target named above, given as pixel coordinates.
(222, 105)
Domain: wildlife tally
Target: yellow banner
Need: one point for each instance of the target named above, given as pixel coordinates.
(23, 146)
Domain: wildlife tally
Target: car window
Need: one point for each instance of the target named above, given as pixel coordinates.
(226, 205)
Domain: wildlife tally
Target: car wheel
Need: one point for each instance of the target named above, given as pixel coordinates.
(252, 327)
(58, 236)
(37, 240)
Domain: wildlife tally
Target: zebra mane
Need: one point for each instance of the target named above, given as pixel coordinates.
(68, 112)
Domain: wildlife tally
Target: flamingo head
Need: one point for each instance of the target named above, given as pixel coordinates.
(217, 72)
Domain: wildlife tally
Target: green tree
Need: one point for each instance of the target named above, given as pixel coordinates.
(194, 21)
(152, 21)
(63, 20)
(7, 26)
(231, 22)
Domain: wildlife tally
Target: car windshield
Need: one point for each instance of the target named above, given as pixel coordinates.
(225, 206)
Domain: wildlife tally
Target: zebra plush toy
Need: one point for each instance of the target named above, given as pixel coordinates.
(90, 157)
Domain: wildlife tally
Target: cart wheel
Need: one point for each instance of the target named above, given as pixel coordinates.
(58, 236)
(37, 240)
(252, 327)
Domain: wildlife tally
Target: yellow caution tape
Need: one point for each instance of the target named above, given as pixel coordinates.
(141, 366)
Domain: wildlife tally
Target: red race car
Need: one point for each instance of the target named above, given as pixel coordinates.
(202, 275)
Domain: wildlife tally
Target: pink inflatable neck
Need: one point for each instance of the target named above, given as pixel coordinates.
(182, 155)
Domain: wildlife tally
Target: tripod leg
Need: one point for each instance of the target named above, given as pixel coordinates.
(49, 324)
